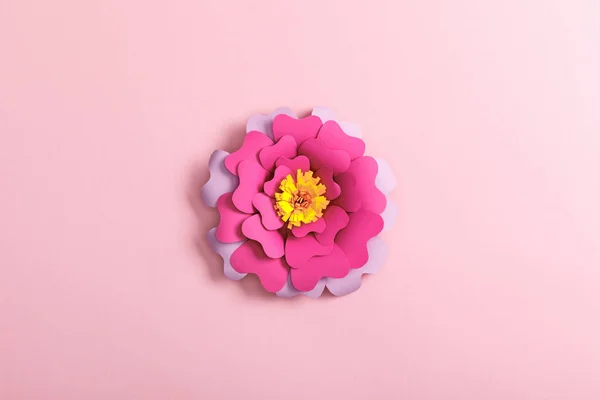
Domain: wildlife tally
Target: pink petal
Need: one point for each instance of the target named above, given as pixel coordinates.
(254, 142)
(299, 250)
(334, 137)
(334, 265)
(250, 258)
(271, 187)
(358, 187)
(271, 241)
(285, 147)
(252, 178)
(301, 129)
(229, 229)
(305, 229)
(265, 206)
(326, 175)
(322, 156)
(301, 163)
(353, 239)
(336, 219)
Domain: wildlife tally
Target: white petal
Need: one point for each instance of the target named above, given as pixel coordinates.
(385, 180)
(290, 291)
(350, 283)
(351, 129)
(225, 250)
(389, 215)
(221, 181)
(264, 123)
(326, 114)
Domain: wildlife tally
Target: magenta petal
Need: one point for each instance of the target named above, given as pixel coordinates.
(334, 137)
(271, 187)
(358, 187)
(301, 163)
(285, 147)
(254, 142)
(271, 241)
(334, 265)
(299, 250)
(300, 129)
(229, 229)
(266, 207)
(363, 225)
(322, 156)
(252, 178)
(305, 229)
(336, 219)
(250, 258)
(333, 189)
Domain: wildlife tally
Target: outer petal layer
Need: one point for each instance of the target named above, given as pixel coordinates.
(221, 180)
(385, 180)
(332, 135)
(350, 283)
(250, 258)
(289, 290)
(225, 250)
(353, 239)
(358, 187)
(264, 123)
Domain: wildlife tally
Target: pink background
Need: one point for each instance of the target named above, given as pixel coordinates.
(488, 112)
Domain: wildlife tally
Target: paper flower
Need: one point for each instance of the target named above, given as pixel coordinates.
(300, 205)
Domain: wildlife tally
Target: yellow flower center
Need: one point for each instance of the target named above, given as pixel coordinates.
(300, 201)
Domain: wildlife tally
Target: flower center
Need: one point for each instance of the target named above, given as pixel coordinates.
(300, 200)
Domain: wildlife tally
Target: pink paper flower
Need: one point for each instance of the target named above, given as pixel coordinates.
(300, 205)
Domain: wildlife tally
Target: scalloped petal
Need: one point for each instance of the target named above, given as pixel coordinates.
(254, 142)
(335, 265)
(285, 147)
(271, 241)
(221, 181)
(264, 123)
(378, 252)
(301, 129)
(289, 290)
(225, 250)
(385, 179)
(252, 178)
(250, 258)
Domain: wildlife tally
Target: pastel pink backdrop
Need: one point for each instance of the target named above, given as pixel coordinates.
(488, 112)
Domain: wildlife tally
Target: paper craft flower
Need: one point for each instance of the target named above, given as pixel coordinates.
(300, 205)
